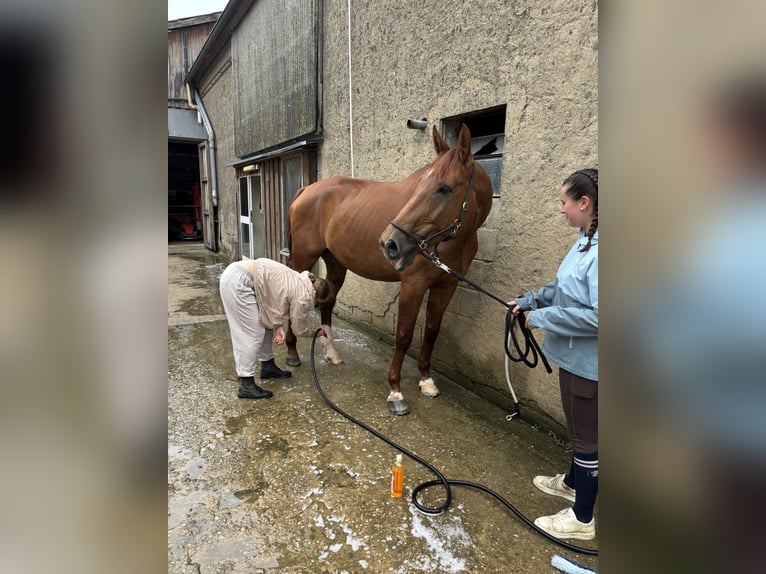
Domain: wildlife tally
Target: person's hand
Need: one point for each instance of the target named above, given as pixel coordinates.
(279, 335)
(514, 308)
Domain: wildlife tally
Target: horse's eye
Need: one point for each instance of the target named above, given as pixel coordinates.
(444, 190)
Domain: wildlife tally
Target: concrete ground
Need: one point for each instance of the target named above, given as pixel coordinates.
(288, 485)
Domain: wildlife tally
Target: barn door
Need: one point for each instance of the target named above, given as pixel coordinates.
(206, 199)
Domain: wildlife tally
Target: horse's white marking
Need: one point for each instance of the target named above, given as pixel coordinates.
(392, 396)
(428, 387)
(330, 353)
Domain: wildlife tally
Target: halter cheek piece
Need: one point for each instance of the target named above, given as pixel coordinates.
(452, 227)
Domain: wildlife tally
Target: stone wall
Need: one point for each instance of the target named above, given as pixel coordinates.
(440, 58)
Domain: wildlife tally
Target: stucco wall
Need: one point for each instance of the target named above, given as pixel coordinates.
(439, 58)
(217, 93)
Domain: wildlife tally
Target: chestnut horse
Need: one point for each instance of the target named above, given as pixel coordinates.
(373, 229)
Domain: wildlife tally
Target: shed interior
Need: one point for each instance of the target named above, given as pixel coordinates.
(184, 215)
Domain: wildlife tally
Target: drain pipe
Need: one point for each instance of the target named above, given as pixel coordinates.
(189, 100)
(350, 94)
(211, 146)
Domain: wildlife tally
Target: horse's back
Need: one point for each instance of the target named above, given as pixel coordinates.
(346, 216)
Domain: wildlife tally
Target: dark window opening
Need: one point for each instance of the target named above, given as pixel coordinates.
(487, 139)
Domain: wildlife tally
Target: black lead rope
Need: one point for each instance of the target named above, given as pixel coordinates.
(442, 480)
(532, 351)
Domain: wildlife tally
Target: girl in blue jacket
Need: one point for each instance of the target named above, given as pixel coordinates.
(567, 309)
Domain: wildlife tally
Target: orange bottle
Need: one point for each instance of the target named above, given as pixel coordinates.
(397, 477)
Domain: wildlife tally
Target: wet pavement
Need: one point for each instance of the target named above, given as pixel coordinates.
(287, 485)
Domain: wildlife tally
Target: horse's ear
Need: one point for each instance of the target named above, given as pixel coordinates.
(464, 143)
(439, 144)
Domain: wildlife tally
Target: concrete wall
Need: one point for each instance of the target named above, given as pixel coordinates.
(439, 58)
(216, 91)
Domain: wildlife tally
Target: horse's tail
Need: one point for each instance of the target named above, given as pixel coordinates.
(289, 232)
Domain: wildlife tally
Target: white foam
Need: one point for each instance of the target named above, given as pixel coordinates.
(443, 543)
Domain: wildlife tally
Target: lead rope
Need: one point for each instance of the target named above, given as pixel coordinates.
(531, 347)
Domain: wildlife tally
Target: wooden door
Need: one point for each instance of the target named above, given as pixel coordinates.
(206, 198)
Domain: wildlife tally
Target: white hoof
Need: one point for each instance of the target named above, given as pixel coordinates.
(333, 359)
(428, 388)
(330, 354)
(392, 396)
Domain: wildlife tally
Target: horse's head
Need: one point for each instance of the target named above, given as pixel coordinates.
(436, 208)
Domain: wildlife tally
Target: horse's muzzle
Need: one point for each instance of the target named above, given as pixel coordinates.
(398, 248)
(391, 249)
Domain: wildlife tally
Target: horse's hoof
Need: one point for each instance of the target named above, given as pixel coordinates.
(293, 361)
(428, 388)
(334, 360)
(398, 408)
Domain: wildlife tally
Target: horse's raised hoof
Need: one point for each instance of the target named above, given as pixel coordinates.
(293, 361)
(397, 405)
(428, 388)
(336, 360)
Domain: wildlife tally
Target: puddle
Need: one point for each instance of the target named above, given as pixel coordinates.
(277, 445)
(252, 494)
(229, 500)
(195, 467)
(235, 425)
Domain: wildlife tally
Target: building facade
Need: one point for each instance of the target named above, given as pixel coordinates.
(300, 91)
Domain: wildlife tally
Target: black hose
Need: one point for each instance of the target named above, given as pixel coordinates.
(442, 480)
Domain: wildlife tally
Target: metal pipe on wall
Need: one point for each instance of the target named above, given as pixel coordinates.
(350, 105)
(211, 146)
(189, 98)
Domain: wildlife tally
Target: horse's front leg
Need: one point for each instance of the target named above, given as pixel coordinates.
(438, 298)
(410, 298)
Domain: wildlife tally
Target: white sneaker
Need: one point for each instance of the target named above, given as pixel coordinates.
(554, 485)
(565, 525)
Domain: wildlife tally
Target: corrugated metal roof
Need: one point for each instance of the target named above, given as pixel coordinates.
(193, 21)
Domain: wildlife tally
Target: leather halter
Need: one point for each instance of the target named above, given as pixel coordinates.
(452, 227)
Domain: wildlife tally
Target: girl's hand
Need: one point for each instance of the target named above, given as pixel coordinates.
(514, 308)
(279, 335)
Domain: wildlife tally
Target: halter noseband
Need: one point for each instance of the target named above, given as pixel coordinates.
(452, 227)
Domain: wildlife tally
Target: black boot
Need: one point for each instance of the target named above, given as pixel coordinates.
(249, 390)
(270, 371)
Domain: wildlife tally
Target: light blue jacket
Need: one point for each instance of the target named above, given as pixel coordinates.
(567, 309)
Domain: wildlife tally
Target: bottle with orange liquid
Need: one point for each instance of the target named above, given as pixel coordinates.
(397, 477)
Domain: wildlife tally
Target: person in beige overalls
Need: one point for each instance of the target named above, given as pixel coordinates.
(260, 297)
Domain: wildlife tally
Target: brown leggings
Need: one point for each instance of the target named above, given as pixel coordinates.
(580, 400)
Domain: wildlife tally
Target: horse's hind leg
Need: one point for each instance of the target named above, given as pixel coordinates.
(438, 298)
(300, 262)
(336, 275)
